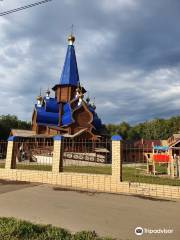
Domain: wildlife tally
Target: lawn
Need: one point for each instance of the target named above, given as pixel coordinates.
(130, 174)
(39, 167)
(104, 169)
(78, 169)
(12, 229)
(2, 165)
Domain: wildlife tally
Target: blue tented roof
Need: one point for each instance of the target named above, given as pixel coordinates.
(70, 75)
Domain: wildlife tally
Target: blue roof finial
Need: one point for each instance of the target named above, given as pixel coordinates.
(70, 75)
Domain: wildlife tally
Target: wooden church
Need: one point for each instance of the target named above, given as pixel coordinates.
(68, 113)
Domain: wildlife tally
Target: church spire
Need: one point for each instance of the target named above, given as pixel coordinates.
(70, 75)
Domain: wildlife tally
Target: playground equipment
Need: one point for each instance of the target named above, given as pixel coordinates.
(163, 162)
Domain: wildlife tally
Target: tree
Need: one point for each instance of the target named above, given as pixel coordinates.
(155, 129)
(8, 122)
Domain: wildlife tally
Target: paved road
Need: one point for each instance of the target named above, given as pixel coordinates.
(107, 214)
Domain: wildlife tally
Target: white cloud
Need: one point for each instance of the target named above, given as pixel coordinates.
(132, 67)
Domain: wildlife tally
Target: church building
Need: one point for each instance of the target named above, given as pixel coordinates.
(67, 113)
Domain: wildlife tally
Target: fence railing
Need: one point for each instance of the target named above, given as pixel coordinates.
(3, 152)
(86, 156)
(81, 156)
(136, 154)
(92, 157)
(136, 161)
(33, 155)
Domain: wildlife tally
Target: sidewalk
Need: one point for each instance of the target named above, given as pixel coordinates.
(107, 214)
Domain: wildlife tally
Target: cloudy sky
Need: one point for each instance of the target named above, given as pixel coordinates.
(128, 54)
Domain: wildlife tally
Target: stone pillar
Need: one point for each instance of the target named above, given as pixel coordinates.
(117, 158)
(57, 163)
(169, 168)
(147, 167)
(154, 168)
(172, 167)
(178, 168)
(9, 155)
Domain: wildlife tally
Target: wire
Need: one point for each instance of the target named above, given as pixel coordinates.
(24, 7)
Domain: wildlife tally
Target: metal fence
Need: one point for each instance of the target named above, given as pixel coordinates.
(35, 154)
(86, 156)
(3, 152)
(136, 162)
(136, 154)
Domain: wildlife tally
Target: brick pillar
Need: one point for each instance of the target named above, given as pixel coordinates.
(154, 168)
(9, 155)
(172, 167)
(57, 163)
(117, 158)
(169, 168)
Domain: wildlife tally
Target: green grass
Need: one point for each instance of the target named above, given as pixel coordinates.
(2, 165)
(161, 169)
(12, 229)
(89, 169)
(77, 169)
(131, 174)
(39, 167)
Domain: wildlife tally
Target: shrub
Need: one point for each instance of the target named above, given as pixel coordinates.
(12, 229)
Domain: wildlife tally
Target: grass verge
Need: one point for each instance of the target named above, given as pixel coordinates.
(131, 174)
(12, 229)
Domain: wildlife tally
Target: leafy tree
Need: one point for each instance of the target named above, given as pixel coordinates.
(154, 129)
(8, 122)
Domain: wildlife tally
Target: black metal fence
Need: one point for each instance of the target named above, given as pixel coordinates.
(86, 156)
(35, 154)
(3, 152)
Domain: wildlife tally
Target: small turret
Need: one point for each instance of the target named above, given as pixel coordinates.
(88, 100)
(39, 100)
(93, 105)
(71, 40)
(79, 95)
(48, 92)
